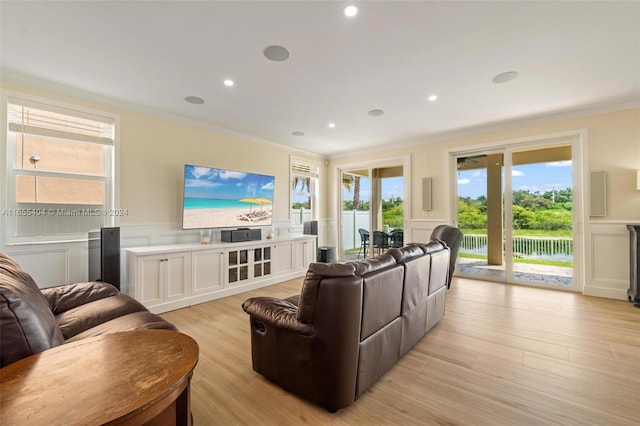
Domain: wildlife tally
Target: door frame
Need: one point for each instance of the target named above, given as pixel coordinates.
(403, 160)
(577, 139)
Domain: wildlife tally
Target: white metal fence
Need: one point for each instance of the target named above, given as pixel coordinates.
(557, 248)
(353, 220)
(554, 248)
(300, 216)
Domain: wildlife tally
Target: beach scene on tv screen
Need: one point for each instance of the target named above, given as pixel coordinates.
(218, 198)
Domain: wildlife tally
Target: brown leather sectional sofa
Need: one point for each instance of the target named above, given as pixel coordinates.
(33, 320)
(351, 323)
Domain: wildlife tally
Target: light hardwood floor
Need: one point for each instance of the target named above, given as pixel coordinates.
(502, 355)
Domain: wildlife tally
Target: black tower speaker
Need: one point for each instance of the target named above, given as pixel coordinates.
(633, 294)
(310, 227)
(104, 256)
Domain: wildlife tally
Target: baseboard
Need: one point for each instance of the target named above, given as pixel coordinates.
(608, 293)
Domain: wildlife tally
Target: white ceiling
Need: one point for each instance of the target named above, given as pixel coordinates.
(570, 56)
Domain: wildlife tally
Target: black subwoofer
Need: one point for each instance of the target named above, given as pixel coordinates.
(633, 294)
(104, 256)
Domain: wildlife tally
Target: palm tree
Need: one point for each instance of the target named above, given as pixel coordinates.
(347, 181)
(356, 193)
(302, 181)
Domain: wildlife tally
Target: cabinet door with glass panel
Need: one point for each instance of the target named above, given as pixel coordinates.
(238, 265)
(262, 261)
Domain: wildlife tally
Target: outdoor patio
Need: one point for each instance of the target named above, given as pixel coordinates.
(554, 275)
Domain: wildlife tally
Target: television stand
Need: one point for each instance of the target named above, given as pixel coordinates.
(168, 277)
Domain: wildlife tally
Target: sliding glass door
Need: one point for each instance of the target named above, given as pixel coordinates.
(372, 201)
(480, 214)
(515, 208)
(356, 195)
(542, 216)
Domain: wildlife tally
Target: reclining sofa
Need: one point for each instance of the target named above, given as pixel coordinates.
(33, 320)
(350, 324)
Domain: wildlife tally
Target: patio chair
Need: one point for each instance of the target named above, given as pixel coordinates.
(364, 242)
(380, 241)
(396, 238)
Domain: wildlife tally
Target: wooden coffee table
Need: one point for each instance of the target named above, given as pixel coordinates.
(124, 378)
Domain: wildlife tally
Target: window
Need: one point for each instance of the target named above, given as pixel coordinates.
(304, 183)
(60, 165)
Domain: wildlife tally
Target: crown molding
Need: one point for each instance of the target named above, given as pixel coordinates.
(548, 117)
(15, 77)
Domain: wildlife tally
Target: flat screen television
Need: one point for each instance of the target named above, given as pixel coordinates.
(220, 198)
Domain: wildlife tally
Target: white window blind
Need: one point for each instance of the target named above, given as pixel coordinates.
(30, 118)
(299, 168)
(304, 181)
(60, 170)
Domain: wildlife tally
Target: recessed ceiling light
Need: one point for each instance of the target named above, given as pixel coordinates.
(194, 100)
(433, 98)
(332, 125)
(505, 77)
(297, 133)
(375, 112)
(276, 53)
(228, 82)
(350, 11)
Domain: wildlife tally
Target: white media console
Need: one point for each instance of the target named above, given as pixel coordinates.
(169, 277)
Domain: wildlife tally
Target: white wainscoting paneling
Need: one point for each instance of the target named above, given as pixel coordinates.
(47, 266)
(421, 229)
(607, 263)
(607, 252)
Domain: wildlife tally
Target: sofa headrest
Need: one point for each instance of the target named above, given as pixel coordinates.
(332, 269)
(406, 253)
(431, 246)
(9, 268)
(27, 325)
(451, 235)
(363, 267)
(315, 274)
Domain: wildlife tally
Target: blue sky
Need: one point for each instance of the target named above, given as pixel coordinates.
(205, 182)
(539, 177)
(391, 188)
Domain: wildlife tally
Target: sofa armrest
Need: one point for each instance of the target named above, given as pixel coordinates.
(276, 312)
(66, 297)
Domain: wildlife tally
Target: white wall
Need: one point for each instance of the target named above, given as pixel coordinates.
(153, 150)
(611, 143)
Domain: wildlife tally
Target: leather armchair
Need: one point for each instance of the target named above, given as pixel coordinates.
(34, 320)
(286, 338)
